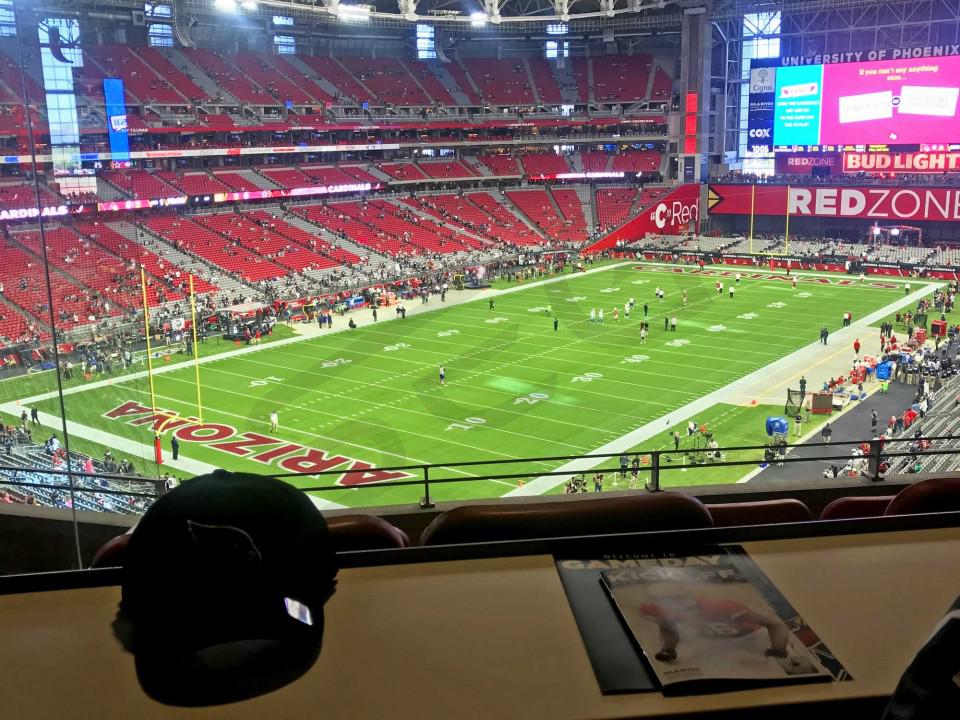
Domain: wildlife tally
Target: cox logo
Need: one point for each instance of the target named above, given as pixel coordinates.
(760, 133)
(675, 214)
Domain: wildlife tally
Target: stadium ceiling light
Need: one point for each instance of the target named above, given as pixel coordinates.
(228, 6)
(249, 5)
(478, 19)
(354, 13)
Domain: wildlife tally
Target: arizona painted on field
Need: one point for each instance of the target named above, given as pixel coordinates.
(527, 375)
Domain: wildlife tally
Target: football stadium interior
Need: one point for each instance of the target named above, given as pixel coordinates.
(479, 286)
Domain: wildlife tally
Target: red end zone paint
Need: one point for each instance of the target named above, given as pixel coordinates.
(843, 282)
(226, 439)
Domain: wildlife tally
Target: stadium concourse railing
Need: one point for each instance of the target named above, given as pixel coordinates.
(877, 459)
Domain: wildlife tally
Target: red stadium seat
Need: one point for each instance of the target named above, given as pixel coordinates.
(349, 532)
(759, 512)
(365, 532)
(848, 508)
(927, 496)
(594, 516)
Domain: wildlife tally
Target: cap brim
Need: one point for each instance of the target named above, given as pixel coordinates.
(229, 671)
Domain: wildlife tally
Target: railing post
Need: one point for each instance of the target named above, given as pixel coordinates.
(873, 466)
(654, 484)
(425, 503)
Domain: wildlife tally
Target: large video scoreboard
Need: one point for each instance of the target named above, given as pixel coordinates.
(908, 104)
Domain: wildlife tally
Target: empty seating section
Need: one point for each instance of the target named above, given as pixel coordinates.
(165, 69)
(402, 171)
(505, 226)
(465, 213)
(24, 286)
(621, 77)
(545, 164)
(175, 279)
(453, 169)
(260, 71)
(662, 86)
(450, 218)
(388, 80)
(140, 184)
(297, 76)
(325, 175)
(594, 161)
(11, 88)
(581, 73)
(195, 183)
(236, 182)
(638, 161)
(113, 279)
(351, 220)
(544, 81)
(501, 82)
(536, 205)
(227, 254)
(227, 76)
(218, 121)
(287, 177)
(569, 203)
(14, 327)
(650, 195)
(463, 81)
(264, 242)
(357, 172)
(23, 195)
(613, 206)
(310, 241)
(424, 75)
(401, 223)
(139, 80)
(501, 164)
(338, 76)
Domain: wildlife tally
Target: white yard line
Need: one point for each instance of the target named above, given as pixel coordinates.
(844, 336)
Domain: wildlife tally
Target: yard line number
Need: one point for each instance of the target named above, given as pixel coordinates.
(467, 424)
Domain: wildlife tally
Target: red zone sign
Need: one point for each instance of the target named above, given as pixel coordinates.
(870, 203)
(255, 447)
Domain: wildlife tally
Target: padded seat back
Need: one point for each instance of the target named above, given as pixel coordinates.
(848, 508)
(365, 532)
(760, 512)
(595, 516)
(927, 496)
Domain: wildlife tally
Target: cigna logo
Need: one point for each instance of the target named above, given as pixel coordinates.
(675, 214)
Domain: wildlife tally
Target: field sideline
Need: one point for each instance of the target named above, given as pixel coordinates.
(514, 386)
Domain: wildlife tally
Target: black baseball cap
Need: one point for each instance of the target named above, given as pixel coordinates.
(224, 582)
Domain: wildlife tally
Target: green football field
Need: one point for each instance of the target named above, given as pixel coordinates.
(515, 387)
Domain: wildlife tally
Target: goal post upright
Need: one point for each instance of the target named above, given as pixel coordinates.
(196, 347)
(146, 332)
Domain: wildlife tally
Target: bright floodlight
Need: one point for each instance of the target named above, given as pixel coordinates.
(354, 13)
(895, 232)
(249, 5)
(478, 19)
(876, 231)
(225, 5)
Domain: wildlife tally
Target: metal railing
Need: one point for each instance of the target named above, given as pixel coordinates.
(879, 454)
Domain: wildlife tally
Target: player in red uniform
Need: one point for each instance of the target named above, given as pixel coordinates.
(712, 618)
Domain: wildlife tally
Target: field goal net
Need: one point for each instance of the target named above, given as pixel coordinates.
(794, 402)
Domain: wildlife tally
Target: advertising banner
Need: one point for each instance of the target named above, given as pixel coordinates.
(868, 203)
(901, 162)
(807, 164)
(673, 214)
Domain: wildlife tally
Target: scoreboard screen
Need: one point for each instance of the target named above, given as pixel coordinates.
(886, 102)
